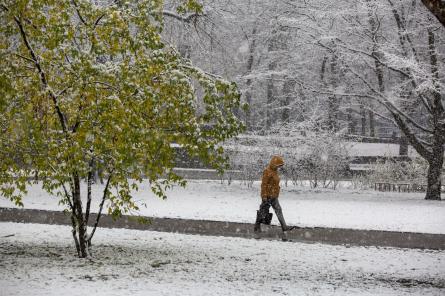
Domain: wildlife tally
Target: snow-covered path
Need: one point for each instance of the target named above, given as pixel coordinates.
(38, 260)
(343, 208)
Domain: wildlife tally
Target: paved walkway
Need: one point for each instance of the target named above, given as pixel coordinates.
(220, 228)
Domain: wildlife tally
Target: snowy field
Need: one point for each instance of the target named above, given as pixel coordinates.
(376, 149)
(39, 260)
(344, 208)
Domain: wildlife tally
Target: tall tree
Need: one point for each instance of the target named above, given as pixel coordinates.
(412, 92)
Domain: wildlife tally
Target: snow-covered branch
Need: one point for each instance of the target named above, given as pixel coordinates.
(186, 18)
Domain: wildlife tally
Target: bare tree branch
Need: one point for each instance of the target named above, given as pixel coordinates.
(25, 58)
(381, 98)
(186, 19)
(78, 12)
(96, 23)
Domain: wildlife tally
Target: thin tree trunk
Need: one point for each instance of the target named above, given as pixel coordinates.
(73, 218)
(74, 233)
(252, 48)
(269, 102)
(270, 92)
(333, 101)
(371, 124)
(80, 221)
(288, 92)
(89, 183)
(331, 120)
(373, 22)
(352, 124)
(363, 120)
(248, 112)
(89, 197)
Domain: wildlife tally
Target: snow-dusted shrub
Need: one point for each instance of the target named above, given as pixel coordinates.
(322, 161)
(393, 171)
(320, 156)
(250, 161)
(360, 181)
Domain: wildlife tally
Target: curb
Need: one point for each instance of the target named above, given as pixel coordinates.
(335, 236)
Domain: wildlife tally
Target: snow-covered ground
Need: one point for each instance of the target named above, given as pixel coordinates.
(376, 149)
(39, 260)
(352, 148)
(344, 208)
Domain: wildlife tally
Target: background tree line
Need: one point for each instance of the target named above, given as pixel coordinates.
(369, 68)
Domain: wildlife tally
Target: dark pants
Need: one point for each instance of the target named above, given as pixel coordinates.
(264, 209)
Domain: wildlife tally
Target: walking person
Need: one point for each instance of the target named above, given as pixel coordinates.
(270, 190)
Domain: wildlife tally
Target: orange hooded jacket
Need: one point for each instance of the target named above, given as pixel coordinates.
(270, 183)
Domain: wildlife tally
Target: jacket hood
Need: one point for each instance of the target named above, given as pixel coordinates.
(276, 162)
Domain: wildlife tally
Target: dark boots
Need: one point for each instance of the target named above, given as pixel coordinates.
(263, 215)
(257, 227)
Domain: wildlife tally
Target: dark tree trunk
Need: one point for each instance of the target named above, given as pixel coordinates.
(378, 66)
(438, 141)
(79, 218)
(403, 148)
(270, 100)
(363, 120)
(252, 48)
(334, 101)
(249, 103)
(437, 7)
(371, 124)
(332, 122)
(288, 92)
(352, 124)
(333, 104)
(435, 174)
(270, 92)
(74, 233)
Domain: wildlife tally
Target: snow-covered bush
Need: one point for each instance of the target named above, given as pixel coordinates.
(249, 160)
(393, 171)
(358, 182)
(318, 156)
(321, 159)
